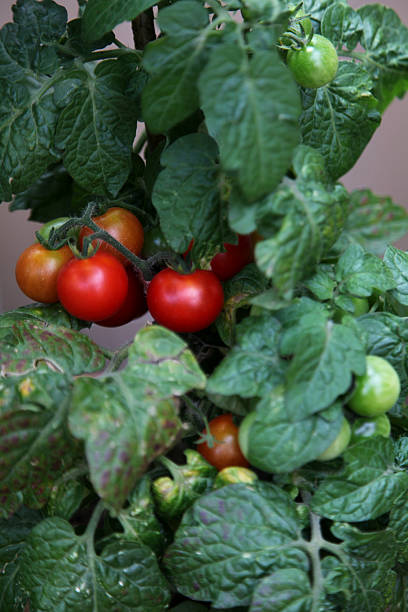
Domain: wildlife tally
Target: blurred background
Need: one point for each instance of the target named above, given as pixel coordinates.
(383, 168)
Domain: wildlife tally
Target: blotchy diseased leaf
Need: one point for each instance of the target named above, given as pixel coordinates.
(48, 313)
(230, 539)
(130, 418)
(375, 221)
(396, 262)
(340, 118)
(61, 571)
(28, 343)
(325, 356)
(36, 446)
(97, 126)
(367, 487)
(253, 366)
(251, 108)
(101, 16)
(174, 62)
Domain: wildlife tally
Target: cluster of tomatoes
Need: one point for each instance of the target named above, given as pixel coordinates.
(106, 289)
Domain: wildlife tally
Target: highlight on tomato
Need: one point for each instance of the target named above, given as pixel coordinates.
(185, 302)
(124, 226)
(92, 289)
(225, 450)
(37, 270)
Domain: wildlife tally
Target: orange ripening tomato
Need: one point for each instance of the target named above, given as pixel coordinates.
(122, 225)
(225, 451)
(37, 271)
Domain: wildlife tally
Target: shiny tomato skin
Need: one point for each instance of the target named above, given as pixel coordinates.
(134, 305)
(226, 451)
(93, 289)
(235, 257)
(122, 225)
(185, 302)
(315, 65)
(377, 390)
(37, 271)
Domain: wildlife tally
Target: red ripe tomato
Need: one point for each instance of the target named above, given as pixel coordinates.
(225, 451)
(185, 302)
(93, 289)
(135, 304)
(122, 225)
(236, 256)
(37, 271)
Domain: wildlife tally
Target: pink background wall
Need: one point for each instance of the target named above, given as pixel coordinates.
(383, 168)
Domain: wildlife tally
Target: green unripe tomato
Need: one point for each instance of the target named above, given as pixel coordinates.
(55, 224)
(361, 307)
(377, 390)
(315, 64)
(339, 444)
(154, 242)
(373, 426)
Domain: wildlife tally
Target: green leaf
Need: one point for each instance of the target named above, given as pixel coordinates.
(252, 367)
(340, 137)
(399, 527)
(242, 533)
(325, 356)
(367, 486)
(130, 418)
(282, 442)
(342, 25)
(101, 16)
(304, 219)
(386, 42)
(375, 221)
(323, 283)
(13, 533)
(28, 343)
(61, 571)
(36, 445)
(286, 590)
(251, 108)
(48, 313)
(174, 62)
(360, 273)
(97, 126)
(186, 194)
(238, 293)
(396, 262)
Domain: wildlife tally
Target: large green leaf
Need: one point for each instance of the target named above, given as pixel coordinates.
(230, 539)
(174, 62)
(186, 194)
(61, 571)
(101, 16)
(281, 442)
(251, 107)
(286, 590)
(360, 273)
(253, 366)
(97, 125)
(367, 487)
(340, 137)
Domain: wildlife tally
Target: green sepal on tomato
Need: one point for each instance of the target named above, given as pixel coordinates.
(377, 390)
(94, 288)
(315, 64)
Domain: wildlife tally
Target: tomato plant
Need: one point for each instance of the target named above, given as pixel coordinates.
(185, 302)
(92, 289)
(315, 64)
(377, 390)
(134, 304)
(37, 271)
(224, 450)
(124, 226)
(199, 127)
